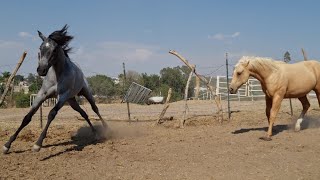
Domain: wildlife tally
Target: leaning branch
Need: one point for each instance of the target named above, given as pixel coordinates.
(192, 67)
(13, 74)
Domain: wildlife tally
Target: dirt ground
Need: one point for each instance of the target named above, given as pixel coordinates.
(204, 149)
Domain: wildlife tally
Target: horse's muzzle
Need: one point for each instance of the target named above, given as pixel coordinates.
(42, 71)
(232, 90)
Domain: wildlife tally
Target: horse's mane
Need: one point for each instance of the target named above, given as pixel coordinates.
(260, 62)
(62, 38)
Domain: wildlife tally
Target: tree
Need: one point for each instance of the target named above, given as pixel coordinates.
(176, 79)
(133, 76)
(286, 57)
(4, 77)
(31, 78)
(18, 79)
(102, 85)
(6, 74)
(150, 81)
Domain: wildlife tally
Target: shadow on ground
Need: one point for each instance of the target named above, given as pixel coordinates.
(307, 123)
(276, 129)
(82, 138)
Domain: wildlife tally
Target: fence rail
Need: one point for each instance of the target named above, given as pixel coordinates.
(47, 103)
(251, 89)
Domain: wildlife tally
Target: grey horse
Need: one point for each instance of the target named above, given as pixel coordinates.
(63, 79)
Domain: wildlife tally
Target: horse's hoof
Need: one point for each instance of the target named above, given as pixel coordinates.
(297, 129)
(36, 148)
(5, 150)
(266, 138)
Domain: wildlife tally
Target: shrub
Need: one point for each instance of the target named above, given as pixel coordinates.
(22, 100)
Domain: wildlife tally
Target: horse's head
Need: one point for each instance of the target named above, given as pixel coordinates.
(240, 75)
(49, 50)
(53, 48)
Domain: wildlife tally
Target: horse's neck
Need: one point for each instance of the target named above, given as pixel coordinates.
(60, 66)
(261, 72)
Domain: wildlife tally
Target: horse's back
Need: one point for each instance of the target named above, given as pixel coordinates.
(314, 66)
(79, 77)
(302, 77)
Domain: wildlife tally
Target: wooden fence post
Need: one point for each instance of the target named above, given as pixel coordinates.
(165, 107)
(183, 120)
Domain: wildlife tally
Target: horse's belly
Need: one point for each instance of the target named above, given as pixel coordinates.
(298, 90)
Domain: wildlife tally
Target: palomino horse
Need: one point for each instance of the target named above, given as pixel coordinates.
(279, 80)
(63, 79)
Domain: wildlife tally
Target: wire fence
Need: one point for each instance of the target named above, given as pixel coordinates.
(204, 106)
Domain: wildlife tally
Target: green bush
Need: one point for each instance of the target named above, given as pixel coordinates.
(22, 100)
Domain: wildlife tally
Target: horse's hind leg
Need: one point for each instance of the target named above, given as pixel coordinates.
(305, 104)
(268, 107)
(87, 94)
(74, 104)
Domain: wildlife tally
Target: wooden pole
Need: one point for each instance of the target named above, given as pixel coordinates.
(165, 107)
(183, 120)
(306, 59)
(13, 74)
(227, 66)
(196, 94)
(304, 54)
(41, 122)
(124, 86)
(216, 99)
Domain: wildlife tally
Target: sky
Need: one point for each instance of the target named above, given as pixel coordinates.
(140, 33)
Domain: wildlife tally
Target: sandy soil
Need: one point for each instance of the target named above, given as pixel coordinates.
(204, 149)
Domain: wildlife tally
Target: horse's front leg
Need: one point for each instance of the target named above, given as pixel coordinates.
(41, 96)
(276, 104)
(52, 114)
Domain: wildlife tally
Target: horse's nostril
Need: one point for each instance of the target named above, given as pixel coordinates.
(231, 89)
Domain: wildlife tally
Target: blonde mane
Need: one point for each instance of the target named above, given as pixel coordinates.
(258, 63)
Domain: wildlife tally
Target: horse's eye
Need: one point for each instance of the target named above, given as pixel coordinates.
(238, 73)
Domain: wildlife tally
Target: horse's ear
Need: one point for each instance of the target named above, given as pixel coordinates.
(246, 63)
(42, 36)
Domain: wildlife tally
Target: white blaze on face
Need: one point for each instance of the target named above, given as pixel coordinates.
(47, 44)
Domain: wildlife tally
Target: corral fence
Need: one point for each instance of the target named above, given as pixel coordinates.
(251, 90)
(47, 103)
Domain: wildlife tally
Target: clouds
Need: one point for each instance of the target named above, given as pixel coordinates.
(10, 44)
(107, 57)
(224, 37)
(24, 34)
(115, 50)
